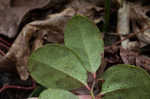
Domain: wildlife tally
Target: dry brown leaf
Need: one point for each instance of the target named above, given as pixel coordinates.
(88, 9)
(140, 20)
(134, 58)
(128, 56)
(143, 61)
(13, 11)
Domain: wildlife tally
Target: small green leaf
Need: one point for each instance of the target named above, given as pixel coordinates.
(126, 82)
(56, 66)
(82, 36)
(57, 94)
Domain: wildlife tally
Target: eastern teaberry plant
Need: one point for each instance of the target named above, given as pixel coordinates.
(62, 68)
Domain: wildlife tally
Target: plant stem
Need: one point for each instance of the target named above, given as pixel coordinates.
(107, 14)
(92, 89)
(92, 94)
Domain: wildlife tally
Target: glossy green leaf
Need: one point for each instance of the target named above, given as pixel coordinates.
(57, 94)
(56, 66)
(126, 82)
(82, 36)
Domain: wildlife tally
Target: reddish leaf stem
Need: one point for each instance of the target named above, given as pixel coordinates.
(18, 87)
(94, 76)
(88, 87)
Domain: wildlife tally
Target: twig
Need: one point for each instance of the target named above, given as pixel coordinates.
(18, 87)
(128, 36)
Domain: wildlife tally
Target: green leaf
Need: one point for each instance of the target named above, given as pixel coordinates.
(126, 82)
(56, 66)
(57, 94)
(83, 37)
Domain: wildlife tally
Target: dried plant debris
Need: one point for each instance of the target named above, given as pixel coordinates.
(132, 17)
(13, 11)
(132, 20)
(112, 56)
(135, 58)
(141, 21)
(128, 56)
(87, 9)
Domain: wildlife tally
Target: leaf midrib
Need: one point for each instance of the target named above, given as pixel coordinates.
(86, 52)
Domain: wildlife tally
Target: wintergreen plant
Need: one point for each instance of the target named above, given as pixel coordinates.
(62, 68)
